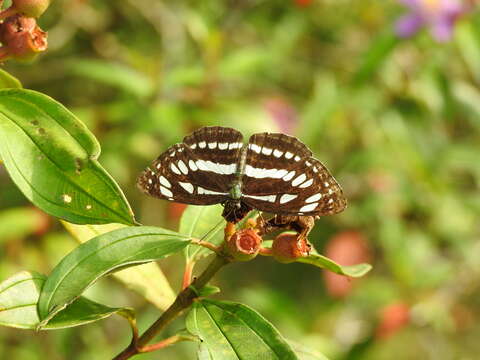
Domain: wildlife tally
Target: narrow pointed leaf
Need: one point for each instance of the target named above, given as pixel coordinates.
(202, 222)
(9, 81)
(101, 256)
(323, 262)
(18, 305)
(232, 331)
(147, 280)
(52, 157)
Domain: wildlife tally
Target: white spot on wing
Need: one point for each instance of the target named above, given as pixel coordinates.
(165, 191)
(183, 168)
(326, 183)
(309, 207)
(193, 146)
(307, 183)
(266, 151)
(192, 165)
(212, 145)
(269, 198)
(287, 197)
(289, 176)
(313, 198)
(202, 191)
(202, 144)
(159, 166)
(277, 153)
(299, 179)
(308, 163)
(187, 186)
(225, 169)
(259, 173)
(232, 146)
(164, 182)
(288, 155)
(174, 169)
(223, 146)
(255, 148)
(297, 158)
(315, 169)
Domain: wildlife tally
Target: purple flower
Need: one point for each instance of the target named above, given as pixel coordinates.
(439, 15)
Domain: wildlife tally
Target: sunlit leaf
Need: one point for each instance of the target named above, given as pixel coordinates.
(51, 156)
(101, 256)
(147, 280)
(321, 261)
(18, 305)
(8, 81)
(234, 331)
(202, 222)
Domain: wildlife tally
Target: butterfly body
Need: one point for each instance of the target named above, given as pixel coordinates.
(274, 173)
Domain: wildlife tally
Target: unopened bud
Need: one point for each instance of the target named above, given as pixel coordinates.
(244, 245)
(30, 8)
(22, 39)
(288, 247)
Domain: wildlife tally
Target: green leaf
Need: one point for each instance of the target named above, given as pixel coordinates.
(9, 81)
(376, 54)
(147, 280)
(467, 39)
(202, 222)
(113, 74)
(18, 305)
(101, 256)
(306, 353)
(321, 261)
(235, 331)
(52, 157)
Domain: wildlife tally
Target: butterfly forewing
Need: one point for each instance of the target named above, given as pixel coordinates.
(197, 171)
(281, 177)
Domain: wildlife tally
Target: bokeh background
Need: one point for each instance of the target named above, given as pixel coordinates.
(394, 115)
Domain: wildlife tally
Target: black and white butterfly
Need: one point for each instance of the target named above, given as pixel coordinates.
(275, 173)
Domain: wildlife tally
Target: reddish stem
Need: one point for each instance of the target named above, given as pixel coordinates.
(162, 344)
(187, 275)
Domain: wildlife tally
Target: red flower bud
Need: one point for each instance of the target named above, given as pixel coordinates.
(30, 8)
(288, 247)
(393, 317)
(244, 244)
(22, 39)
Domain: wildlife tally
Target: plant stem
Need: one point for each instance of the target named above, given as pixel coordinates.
(164, 343)
(182, 302)
(187, 275)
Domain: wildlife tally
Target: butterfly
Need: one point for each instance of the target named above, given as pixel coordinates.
(273, 172)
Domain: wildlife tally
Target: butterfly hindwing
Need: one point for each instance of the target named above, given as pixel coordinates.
(281, 177)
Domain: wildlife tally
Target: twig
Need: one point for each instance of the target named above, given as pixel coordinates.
(165, 342)
(187, 275)
(182, 302)
(206, 244)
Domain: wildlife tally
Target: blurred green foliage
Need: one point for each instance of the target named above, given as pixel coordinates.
(396, 122)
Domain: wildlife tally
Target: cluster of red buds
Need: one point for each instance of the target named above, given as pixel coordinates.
(246, 244)
(21, 37)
